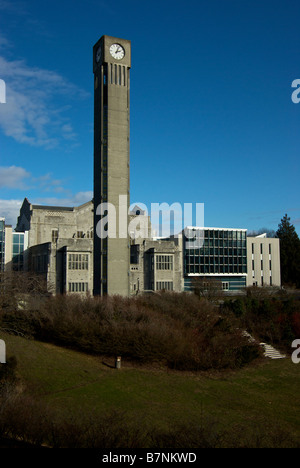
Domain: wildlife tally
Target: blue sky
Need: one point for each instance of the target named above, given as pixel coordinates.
(212, 119)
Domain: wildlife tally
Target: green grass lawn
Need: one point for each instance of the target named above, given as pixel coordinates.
(264, 395)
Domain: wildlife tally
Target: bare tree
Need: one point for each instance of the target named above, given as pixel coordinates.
(17, 289)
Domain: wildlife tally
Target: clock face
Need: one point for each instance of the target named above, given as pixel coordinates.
(117, 51)
(98, 54)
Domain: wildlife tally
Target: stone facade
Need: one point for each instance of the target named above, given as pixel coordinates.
(49, 223)
(60, 245)
(156, 265)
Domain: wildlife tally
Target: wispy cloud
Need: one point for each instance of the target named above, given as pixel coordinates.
(31, 114)
(47, 183)
(4, 42)
(14, 177)
(5, 5)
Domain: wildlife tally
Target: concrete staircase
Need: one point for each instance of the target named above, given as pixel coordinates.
(271, 352)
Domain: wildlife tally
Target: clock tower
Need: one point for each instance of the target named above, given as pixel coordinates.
(111, 66)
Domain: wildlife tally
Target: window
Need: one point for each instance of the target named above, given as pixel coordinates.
(54, 235)
(164, 262)
(80, 234)
(166, 285)
(225, 285)
(270, 264)
(78, 262)
(270, 249)
(261, 248)
(252, 248)
(78, 287)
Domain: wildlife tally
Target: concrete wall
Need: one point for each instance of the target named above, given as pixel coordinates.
(111, 163)
(263, 266)
(8, 248)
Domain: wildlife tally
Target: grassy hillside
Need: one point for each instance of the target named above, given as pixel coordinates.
(253, 406)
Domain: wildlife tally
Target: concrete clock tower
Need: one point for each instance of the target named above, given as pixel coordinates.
(111, 66)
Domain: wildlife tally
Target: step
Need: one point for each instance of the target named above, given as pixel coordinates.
(272, 352)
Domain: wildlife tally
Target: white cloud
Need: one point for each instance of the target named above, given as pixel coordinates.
(83, 197)
(71, 200)
(30, 114)
(10, 210)
(13, 177)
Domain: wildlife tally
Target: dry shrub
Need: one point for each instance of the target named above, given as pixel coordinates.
(270, 318)
(176, 329)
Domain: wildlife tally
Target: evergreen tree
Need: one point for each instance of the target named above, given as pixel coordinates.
(289, 252)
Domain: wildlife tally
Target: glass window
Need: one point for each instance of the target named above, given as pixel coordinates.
(16, 249)
(78, 262)
(165, 262)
